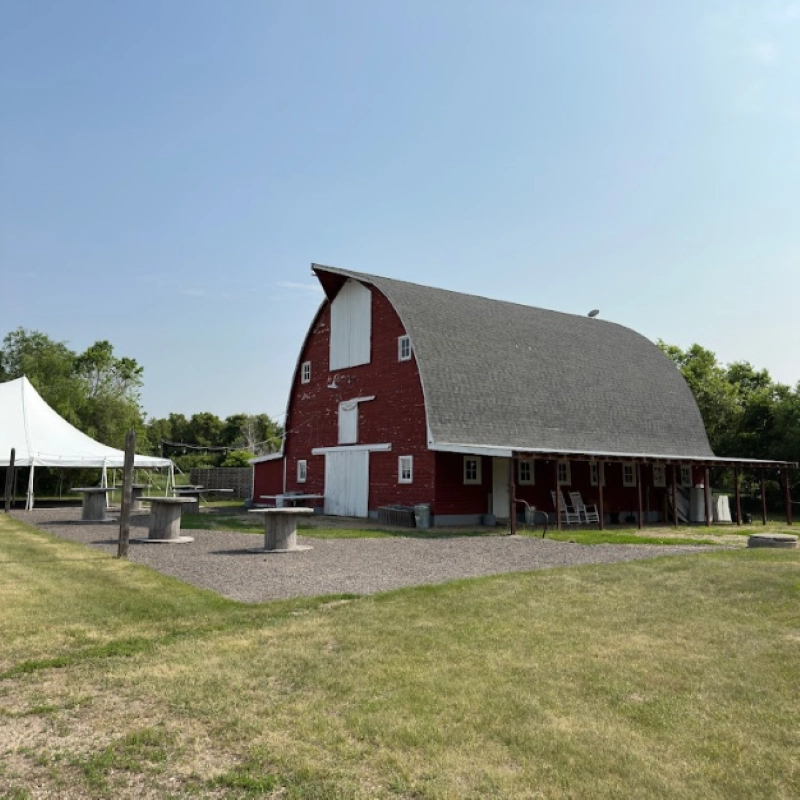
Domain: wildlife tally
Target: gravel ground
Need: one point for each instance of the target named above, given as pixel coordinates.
(221, 561)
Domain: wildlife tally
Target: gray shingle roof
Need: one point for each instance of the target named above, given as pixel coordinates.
(498, 374)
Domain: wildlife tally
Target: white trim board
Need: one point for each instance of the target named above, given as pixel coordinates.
(346, 448)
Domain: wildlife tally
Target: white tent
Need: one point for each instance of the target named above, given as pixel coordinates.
(42, 438)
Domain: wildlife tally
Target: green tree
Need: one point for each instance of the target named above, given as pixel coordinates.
(716, 396)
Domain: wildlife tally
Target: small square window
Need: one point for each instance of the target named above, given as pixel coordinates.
(525, 471)
(405, 469)
(628, 474)
(302, 471)
(564, 473)
(686, 477)
(594, 473)
(404, 348)
(305, 376)
(472, 470)
(659, 475)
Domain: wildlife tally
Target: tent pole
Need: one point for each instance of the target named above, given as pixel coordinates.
(29, 498)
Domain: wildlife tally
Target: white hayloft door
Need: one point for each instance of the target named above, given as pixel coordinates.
(351, 326)
(347, 483)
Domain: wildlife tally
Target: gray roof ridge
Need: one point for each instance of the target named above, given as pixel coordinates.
(376, 280)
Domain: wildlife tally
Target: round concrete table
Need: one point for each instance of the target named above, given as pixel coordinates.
(165, 520)
(93, 508)
(280, 529)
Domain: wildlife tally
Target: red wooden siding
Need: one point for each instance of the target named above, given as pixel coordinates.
(395, 416)
(267, 478)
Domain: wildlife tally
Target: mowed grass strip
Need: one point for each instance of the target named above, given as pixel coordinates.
(674, 677)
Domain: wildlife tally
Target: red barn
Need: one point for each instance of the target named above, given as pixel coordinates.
(405, 395)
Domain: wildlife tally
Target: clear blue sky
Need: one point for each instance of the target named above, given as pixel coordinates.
(169, 170)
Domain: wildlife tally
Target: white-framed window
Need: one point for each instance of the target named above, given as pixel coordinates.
(525, 471)
(472, 469)
(405, 469)
(659, 475)
(302, 471)
(594, 473)
(305, 372)
(564, 473)
(403, 348)
(686, 476)
(628, 473)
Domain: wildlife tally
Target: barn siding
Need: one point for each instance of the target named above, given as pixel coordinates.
(267, 478)
(396, 415)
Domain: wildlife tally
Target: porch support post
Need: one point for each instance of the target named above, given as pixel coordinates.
(639, 491)
(675, 495)
(738, 496)
(763, 499)
(558, 499)
(512, 495)
(707, 492)
(601, 477)
(787, 496)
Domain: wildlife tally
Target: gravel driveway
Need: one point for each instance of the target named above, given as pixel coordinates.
(220, 560)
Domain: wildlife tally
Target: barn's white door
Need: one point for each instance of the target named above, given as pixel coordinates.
(500, 487)
(347, 483)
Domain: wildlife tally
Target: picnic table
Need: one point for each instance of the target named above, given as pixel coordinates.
(195, 494)
(289, 499)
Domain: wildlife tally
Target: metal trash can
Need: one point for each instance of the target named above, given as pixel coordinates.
(422, 515)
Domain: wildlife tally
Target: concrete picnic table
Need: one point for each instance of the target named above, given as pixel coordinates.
(165, 520)
(93, 507)
(280, 529)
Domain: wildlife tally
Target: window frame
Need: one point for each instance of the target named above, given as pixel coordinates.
(594, 474)
(478, 479)
(302, 470)
(402, 342)
(567, 466)
(660, 469)
(531, 479)
(305, 372)
(629, 483)
(400, 469)
(684, 482)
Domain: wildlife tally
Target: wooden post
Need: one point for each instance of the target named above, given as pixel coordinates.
(738, 496)
(558, 499)
(787, 495)
(675, 469)
(601, 476)
(707, 491)
(10, 478)
(763, 499)
(639, 491)
(127, 496)
(512, 496)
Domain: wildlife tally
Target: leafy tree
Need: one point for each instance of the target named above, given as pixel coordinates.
(237, 458)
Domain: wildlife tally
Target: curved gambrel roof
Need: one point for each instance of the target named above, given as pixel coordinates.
(503, 375)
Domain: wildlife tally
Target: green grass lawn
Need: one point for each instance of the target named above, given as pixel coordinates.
(675, 677)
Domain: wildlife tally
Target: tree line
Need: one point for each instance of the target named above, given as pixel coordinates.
(100, 394)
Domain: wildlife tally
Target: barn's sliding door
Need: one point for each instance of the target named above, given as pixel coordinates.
(347, 483)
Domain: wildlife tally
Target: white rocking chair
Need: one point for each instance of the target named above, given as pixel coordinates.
(569, 515)
(587, 514)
